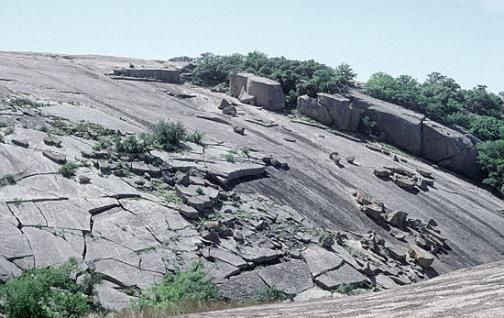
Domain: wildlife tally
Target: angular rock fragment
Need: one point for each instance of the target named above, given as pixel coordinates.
(225, 256)
(56, 157)
(223, 104)
(385, 281)
(421, 256)
(320, 260)
(405, 183)
(218, 271)
(397, 218)
(291, 277)
(246, 98)
(140, 168)
(110, 296)
(229, 110)
(245, 286)
(343, 275)
(312, 293)
(374, 211)
(188, 212)
(259, 255)
(382, 173)
(8, 270)
(20, 142)
(52, 141)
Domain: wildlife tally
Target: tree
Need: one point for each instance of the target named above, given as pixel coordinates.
(491, 160)
(481, 102)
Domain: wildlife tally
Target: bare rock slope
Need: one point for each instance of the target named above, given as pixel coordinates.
(473, 292)
(265, 199)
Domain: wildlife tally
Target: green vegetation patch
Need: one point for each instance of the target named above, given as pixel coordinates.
(180, 290)
(442, 99)
(296, 77)
(68, 169)
(46, 292)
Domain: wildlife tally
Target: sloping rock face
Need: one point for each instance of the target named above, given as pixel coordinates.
(267, 93)
(402, 127)
(473, 292)
(274, 196)
(331, 109)
(449, 149)
(163, 75)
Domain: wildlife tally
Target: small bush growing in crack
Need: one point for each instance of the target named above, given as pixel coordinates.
(271, 294)
(18, 200)
(68, 169)
(46, 292)
(7, 179)
(229, 156)
(200, 191)
(179, 290)
(196, 137)
(345, 289)
(245, 150)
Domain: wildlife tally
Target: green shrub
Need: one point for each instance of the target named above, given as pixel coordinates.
(169, 135)
(491, 161)
(179, 289)
(46, 292)
(245, 150)
(295, 77)
(438, 96)
(7, 179)
(345, 289)
(196, 137)
(229, 156)
(147, 139)
(271, 294)
(97, 146)
(22, 102)
(68, 169)
(369, 125)
(131, 145)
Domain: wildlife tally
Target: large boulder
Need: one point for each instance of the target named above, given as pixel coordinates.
(161, 74)
(237, 82)
(330, 109)
(268, 93)
(310, 107)
(449, 149)
(402, 127)
(344, 115)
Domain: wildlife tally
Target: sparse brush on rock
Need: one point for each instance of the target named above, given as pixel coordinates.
(132, 145)
(196, 137)
(68, 169)
(229, 157)
(296, 77)
(178, 290)
(271, 294)
(169, 135)
(7, 179)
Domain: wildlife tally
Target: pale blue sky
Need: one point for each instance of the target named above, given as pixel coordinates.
(463, 39)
